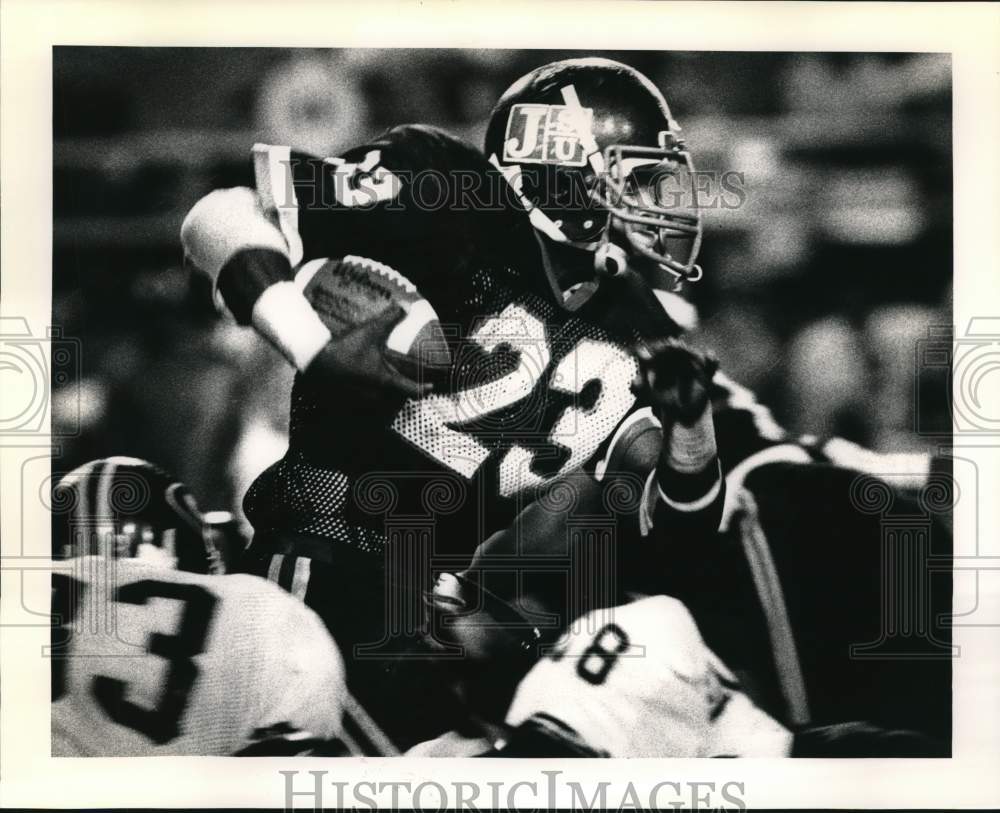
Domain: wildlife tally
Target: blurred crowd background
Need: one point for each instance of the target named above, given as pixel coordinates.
(818, 288)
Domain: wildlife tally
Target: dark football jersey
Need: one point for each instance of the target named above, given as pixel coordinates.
(535, 391)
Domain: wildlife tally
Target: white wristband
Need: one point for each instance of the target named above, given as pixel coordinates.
(692, 447)
(695, 505)
(285, 317)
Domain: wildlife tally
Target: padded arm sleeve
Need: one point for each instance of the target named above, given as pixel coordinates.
(225, 222)
(230, 235)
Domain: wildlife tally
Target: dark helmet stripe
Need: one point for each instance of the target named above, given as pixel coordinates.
(102, 499)
(183, 504)
(88, 529)
(79, 483)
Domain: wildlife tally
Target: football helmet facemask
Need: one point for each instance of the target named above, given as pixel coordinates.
(592, 152)
(124, 507)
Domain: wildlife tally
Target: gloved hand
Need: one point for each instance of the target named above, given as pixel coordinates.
(676, 380)
(353, 365)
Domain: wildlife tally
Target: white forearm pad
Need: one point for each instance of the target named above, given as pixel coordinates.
(224, 222)
(285, 317)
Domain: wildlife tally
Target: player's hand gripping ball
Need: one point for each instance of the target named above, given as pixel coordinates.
(387, 339)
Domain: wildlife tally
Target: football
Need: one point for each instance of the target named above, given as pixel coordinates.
(350, 291)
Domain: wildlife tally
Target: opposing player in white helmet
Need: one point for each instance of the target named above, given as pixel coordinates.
(153, 654)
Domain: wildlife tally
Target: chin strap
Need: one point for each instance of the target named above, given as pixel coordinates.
(610, 260)
(541, 221)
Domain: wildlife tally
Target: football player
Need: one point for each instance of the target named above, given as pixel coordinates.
(828, 594)
(639, 681)
(545, 317)
(629, 681)
(154, 655)
(551, 254)
(547, 283)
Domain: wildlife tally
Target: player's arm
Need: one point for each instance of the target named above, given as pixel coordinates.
(247, 243)
(751, 437)
(229, 235)
(409, 199)
(684, 493)
(399, 201)
(297, 207)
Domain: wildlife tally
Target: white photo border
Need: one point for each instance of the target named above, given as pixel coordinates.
(969, 32)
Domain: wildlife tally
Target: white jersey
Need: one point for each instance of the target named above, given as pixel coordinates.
(639, 681)
(162, 662)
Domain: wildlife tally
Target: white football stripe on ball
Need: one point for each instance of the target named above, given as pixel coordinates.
(405, 333)
(383, 270)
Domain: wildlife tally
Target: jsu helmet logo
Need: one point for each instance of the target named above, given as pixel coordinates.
(547, 134)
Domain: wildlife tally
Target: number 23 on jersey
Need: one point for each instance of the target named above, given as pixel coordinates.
(434, 423)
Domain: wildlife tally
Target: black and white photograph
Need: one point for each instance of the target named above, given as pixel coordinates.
(502, 404)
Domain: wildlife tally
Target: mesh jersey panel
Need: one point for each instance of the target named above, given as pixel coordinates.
(200, 662)
(297, 496)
